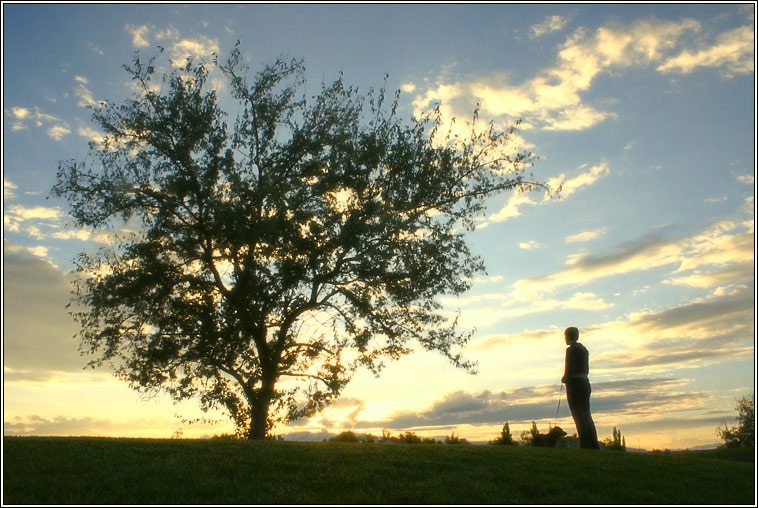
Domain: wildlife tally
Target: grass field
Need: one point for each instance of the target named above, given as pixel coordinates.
(48, 470)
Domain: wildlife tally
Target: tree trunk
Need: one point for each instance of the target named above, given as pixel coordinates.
(259, 412)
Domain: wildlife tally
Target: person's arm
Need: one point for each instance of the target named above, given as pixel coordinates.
(567, 370)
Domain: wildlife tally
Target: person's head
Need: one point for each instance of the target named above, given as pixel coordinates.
(571, 334)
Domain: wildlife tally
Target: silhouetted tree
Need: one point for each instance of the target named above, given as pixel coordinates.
(409, 438)
(528, 436)
(616, 441)
(265, 250)
(744, 434)
(453, 439)
(505, 437)
(347, 436)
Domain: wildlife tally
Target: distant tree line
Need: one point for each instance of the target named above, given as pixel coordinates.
(349, 436)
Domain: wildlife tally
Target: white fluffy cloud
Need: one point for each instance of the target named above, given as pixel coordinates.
(548, 25)
(552, 99)
(179, 48)
(567, 185)
(586, 236)
(733, 51)
(22, 118)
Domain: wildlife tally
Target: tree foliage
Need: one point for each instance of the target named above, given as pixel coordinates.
(615, 442)
(271, 256)
(744, 434)
(505, 437)
(529, 436)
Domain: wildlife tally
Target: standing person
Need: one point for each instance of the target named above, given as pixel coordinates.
(576, 378)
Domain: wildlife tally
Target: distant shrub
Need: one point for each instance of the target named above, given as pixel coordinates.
(453, 439)
(409, 438)
(505, 437)
(347, 436)
(528, 436)
(616, 442)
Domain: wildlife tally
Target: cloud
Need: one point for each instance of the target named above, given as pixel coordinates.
(179, 48)
(39, 251)
(139, 34)
(408, 87)
(19, 218)
(717, 245)
(742, 271)
(694, 334)
(57, 132)
(733, 51)
(552, 99)
(36, 425)
(94, 48)
(20, 113)
(584, 179)
(567, 187)
(627, 397)
(84, 94)
(199, 48)
(37, 330)
(91, 134)
(586, 236)
(530, 245)
(510, 210)
(549, 25)
(9, 189)
(23, 118)
(168, 33)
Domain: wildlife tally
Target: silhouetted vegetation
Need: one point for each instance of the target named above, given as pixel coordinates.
(349, 436)
(268, 246)
(505, 437)
(744, 434)
(453, 439)
(345, 437)
(528, 436)
(615, 442)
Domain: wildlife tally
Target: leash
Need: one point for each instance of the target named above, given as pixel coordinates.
(560, 396)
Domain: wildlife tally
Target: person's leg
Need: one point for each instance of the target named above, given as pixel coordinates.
(579, 402)
(574, 398)
(589, 433)
(589, 423)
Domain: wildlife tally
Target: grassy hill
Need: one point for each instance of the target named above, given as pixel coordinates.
(39, 470)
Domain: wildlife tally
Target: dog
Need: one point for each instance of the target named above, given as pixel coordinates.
(550, 439)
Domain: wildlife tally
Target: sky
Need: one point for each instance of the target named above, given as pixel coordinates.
(645, 113)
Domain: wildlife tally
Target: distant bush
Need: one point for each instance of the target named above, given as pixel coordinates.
(409, 438)
(505, 437)
(528, 436)
(616, 442)
(347, 436)
(453, 439)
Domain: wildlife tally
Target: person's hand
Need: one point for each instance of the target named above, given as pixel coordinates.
(563, 380)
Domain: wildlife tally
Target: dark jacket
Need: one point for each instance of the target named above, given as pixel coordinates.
(577, 363)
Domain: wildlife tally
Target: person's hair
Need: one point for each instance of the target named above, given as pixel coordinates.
(572, 333)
